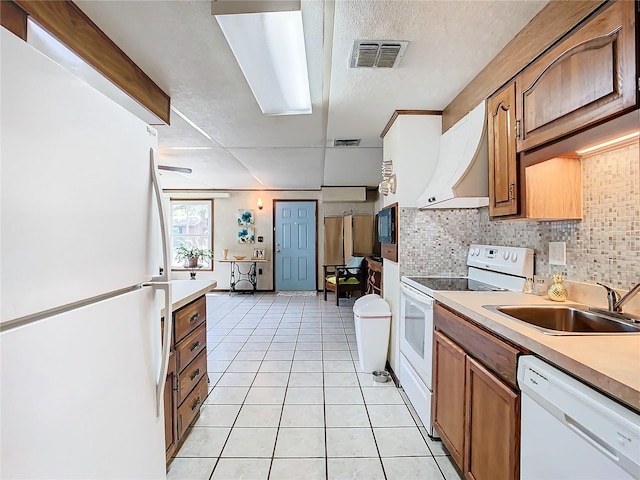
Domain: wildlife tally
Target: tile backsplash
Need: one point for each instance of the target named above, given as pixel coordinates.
(603, 247)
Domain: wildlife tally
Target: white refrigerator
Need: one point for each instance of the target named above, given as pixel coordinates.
(82, 243)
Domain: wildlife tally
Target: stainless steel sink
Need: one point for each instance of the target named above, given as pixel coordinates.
(565, 319)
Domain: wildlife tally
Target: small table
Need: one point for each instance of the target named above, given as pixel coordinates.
(241, 274)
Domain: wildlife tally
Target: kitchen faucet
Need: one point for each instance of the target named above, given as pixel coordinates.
(615, 303)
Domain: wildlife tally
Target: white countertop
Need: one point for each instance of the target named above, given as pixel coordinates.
(185, 291)
(608, 362)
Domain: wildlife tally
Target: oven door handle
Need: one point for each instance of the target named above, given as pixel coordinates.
(414, 294)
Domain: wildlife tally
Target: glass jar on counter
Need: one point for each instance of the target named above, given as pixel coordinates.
(528, 286)
(540, 286)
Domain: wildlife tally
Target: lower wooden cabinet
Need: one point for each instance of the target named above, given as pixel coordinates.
(449, 383)
(492, 426)
(190, 408)
(170, 408)
(476, 412)
(187, 381)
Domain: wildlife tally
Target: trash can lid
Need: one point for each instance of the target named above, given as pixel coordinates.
(371, 307)
(366, 299)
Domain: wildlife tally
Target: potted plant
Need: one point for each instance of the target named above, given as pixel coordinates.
(190, 254)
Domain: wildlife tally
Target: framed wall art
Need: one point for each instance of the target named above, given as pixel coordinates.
(245, 217)
(246, 235)
(258, 254)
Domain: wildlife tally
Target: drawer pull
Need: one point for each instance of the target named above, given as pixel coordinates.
(196, 404)
(194, 317)
(195, 374)
(194, 346)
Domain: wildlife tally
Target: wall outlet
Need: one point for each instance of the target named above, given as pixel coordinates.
(557, 253)
(259, 271)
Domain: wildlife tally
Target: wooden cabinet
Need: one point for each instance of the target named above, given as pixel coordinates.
(187, 381)
(476, 407)
(553, 189)
(170, 408)
(492, 426)
(503, 167)
(449, 382)
(587, 77)
(357, 231)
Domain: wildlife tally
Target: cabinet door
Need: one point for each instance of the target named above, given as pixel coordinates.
(492, 425)
(170, 406)
(362, 234)
(449, 385)
(503, 174)
(587, 77)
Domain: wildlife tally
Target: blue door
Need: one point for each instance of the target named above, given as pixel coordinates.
(295, 241)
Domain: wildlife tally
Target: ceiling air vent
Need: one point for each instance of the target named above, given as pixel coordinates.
(346, 142)
(377, 53)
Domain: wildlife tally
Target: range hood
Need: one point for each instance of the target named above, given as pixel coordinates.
(461, 175)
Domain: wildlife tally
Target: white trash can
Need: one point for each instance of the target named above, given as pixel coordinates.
(372, 317)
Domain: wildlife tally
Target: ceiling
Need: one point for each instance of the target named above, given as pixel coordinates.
(181, 47)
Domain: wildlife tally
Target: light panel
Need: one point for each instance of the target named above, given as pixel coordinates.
(269, 47)
(608, 143)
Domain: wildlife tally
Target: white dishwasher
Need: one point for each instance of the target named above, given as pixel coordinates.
(572, 432)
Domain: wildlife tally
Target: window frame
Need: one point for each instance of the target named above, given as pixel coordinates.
(171, 235)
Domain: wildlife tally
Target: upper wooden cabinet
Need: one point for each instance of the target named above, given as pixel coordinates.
(587, 77)
(503, 168)
(553, 189)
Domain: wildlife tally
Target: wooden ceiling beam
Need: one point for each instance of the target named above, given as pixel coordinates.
(70, 25)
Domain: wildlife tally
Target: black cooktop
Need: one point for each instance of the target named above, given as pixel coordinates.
(454, 284)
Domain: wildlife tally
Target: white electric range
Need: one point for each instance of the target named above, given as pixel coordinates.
(491, 268)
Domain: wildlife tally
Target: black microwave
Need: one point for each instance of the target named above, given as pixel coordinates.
(387, 225)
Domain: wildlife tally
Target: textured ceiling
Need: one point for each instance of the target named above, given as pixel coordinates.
(180, 46)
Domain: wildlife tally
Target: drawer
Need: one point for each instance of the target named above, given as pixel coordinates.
(191, 406)
(188, 318)
(191, 375)
(491, 351)
(189, 348)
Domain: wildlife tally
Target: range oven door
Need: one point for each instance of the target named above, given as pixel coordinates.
(416, 331)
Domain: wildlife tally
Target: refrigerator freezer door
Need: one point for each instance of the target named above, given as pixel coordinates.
(79, 393)
(77, 209)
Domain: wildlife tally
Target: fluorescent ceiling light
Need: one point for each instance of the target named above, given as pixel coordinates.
(608, 143)
(269, 48)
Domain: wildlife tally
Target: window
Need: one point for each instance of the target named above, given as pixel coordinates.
(191, 225)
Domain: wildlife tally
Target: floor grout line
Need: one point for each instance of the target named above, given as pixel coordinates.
(331, 324)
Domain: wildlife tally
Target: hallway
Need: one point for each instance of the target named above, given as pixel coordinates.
(288, 401)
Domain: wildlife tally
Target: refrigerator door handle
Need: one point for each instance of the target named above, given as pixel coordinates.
(155, 178)
(166, 339)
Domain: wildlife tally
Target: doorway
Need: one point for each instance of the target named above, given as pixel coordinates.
(295, 240)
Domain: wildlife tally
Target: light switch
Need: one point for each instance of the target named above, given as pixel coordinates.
(557, 253)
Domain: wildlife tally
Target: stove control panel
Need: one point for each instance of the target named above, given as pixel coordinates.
(511, 260)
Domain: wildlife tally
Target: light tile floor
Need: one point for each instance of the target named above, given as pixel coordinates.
(288, 401)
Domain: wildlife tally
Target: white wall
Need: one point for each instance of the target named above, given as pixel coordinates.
(413, 144)
(225, 229)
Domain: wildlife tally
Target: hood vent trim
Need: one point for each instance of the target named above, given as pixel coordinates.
(377, 53)
(461, 175)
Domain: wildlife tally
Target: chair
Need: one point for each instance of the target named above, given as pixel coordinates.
(345, 278)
